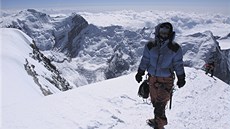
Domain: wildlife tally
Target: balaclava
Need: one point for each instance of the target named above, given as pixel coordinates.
(164, 31)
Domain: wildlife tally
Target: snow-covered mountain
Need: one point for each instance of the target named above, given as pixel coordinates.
(27, 75)
(45, 30)
(109, 104)
(86, 53)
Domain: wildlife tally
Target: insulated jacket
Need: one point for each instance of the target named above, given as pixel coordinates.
(162, 59)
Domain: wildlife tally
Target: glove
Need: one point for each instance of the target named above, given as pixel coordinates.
(181, 80)
(139, 75)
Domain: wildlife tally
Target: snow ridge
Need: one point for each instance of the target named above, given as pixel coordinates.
(202, 103)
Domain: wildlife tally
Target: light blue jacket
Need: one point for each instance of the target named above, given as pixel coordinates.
(162, 60)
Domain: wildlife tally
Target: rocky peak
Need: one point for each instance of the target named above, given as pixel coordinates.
(67, 31)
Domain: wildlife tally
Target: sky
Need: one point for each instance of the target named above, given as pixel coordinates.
(218, 5)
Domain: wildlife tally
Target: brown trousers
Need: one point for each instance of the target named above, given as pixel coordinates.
(160, 90)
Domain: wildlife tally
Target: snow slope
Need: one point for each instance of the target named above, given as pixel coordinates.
(13, 74)
(203, 103)
(15, 81)
(224, 42)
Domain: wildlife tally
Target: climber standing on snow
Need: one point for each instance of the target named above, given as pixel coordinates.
(161, 58)
(209, 67)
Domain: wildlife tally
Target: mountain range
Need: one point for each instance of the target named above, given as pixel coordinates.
(84, 53)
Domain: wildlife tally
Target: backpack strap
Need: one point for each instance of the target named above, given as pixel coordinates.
(173, 46)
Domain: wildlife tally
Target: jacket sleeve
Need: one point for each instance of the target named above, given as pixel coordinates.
(145, 60)
(178, 64)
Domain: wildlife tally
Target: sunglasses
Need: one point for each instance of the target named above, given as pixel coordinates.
(165, 26)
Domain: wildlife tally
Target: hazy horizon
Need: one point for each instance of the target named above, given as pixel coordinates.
(219, 6)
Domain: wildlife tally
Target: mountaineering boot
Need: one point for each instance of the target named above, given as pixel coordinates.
(152, 123)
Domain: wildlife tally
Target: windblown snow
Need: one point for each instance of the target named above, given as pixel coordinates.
(203, 103)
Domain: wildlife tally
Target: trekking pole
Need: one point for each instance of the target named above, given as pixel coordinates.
(170, 102)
